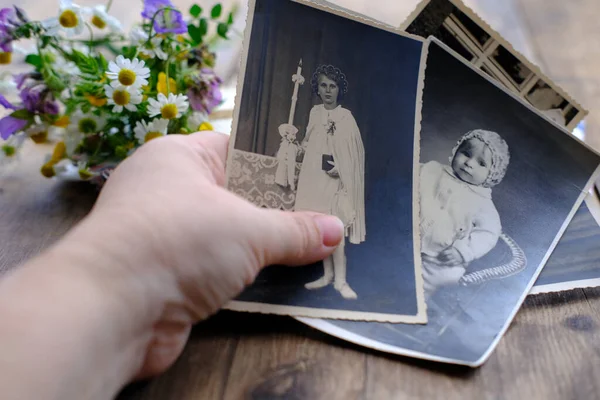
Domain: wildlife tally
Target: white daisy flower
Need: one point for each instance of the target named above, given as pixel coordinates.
(8, 86)
(66, 170)
(151, 49)
(69, 20)
(168, 107)
(9, 149)
(123, 97)
(196, 120)
(145, 132)
(127, 72)
(86, 123)
(100, 19)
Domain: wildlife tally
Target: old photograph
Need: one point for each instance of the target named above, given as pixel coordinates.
(499, 184)
(575, 262)
(458, 27)
(327, 120)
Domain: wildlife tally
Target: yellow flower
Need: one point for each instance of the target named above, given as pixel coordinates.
(39, 138)
(161, 86)
(205, 126)
(58, 154)
(5, 57)
(62, 122)
(96, 101)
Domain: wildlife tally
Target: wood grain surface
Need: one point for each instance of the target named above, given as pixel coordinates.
(552, 350)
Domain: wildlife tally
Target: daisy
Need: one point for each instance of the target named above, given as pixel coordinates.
(69, 20)
(145, 132)
(127, 72)
(123, 97)
(8, 86)
(9, 149)
(86, 123)
(168, 107)
(148, 49)
(198, 122)
(100, 18)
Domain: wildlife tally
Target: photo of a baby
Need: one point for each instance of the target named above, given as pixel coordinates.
(498, 184)
(459, 222)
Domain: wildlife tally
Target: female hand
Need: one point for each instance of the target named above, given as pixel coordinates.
(164, 247)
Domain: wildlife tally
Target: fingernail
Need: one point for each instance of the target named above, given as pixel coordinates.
(331, 228)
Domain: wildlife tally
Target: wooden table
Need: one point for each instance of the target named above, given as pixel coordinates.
(552, 349)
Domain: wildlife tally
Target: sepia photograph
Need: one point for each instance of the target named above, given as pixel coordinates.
(327, 121)
(499, 184)
(459, 28)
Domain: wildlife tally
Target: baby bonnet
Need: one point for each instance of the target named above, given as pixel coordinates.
(500, 154)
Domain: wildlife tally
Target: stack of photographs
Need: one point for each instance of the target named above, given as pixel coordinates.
(454, 189)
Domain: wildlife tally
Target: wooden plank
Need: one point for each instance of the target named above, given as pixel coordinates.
(36, 211)
(280, 358)
(551, 351)
(202, 370)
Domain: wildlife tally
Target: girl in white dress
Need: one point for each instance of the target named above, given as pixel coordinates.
(331, 178)
(459, 222)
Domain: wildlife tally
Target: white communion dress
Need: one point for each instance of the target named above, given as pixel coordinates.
(334, 133)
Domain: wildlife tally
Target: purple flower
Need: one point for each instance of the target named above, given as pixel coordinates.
(170, 21)
(7, 25)
(205, 94)
(152, 6)
(6, 104)
(10, 126)
(166, 21)
(38, 99)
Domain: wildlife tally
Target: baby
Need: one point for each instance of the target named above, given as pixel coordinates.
(459, 222)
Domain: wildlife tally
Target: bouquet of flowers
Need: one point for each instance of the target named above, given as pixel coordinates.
(98, 94)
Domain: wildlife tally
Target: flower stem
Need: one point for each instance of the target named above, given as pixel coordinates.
(150, 36)
(167, 73)
(91, 41)
(109, 5)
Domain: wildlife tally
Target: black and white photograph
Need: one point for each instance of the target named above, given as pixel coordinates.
(461, 29)
(327, 121)
(499, 184)
(575, 262)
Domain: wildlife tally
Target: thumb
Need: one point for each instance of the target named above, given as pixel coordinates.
(297, 238)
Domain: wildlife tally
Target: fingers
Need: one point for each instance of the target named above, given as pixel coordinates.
(217, 142)
(212, 147)
(297, 238)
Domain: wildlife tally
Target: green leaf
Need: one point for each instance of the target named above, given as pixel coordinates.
(230, 19)
(22, 114)
(216, 11)
(195, 33)
(222, 30)
(86, 64)
(53, 82)
(203, 26)
(196, 10)
(129, 52)
(34, 60)
(102, 62)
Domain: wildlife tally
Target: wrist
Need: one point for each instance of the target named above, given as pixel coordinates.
(82, 306)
